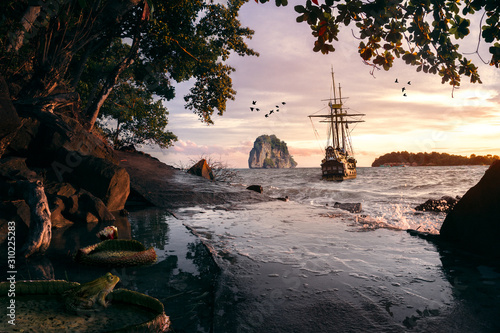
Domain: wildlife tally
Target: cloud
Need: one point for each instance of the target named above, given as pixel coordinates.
(288, 70)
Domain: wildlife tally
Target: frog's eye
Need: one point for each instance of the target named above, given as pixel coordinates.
(109, 276)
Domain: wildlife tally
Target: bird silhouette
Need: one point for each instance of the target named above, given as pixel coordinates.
(409, 83)
(277, 106)
(251, 109)
(254, 102)
(403, 89)
(271, 111)
(257, 109)
(267, 115)
(404, 94)
(396, 81)
(283, 103)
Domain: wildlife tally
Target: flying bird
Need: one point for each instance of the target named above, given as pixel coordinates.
(396, 81)
(267, 115)
(251, 109)
(271, 111)
(283, 103)
(409, 83)
(257, 109)
(404, 94)
(403, 89)
(254, 102)
(277, 106)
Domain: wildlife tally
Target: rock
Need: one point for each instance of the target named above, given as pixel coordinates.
(104, 179)
(270, 152)
(17, 211)
(10, 121)
(14, 175)
(350, 207)
(44, 134)
(69, 205)
(128, 149)
(256, 188)
(24, 141)
(88, 209)
(56, 214)
(445, 204)
(60, 189)
(202, 169)
(15, 168)
(40, 231)
(474, 223)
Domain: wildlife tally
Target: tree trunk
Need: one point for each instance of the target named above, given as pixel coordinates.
(40, 231)
(95, 106)
(62, 38)
(29, 18)
(117, 134)
(50, 103)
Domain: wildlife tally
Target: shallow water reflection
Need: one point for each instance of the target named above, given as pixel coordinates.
(183, 278)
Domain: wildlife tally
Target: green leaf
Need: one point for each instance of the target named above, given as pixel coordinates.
(299, 9)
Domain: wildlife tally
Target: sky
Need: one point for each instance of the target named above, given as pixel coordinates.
(428, 119)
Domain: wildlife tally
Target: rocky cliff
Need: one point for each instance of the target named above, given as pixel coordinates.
(270, 152)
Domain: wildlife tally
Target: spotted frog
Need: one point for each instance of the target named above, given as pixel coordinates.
(85, 296)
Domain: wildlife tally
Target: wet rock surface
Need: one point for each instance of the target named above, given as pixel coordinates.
(165, 186)
(474, 223)
(445, 204)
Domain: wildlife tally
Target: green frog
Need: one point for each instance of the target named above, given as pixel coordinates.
(85, 296)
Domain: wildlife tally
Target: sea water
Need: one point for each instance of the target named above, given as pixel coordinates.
(304, 266)
(388, 195)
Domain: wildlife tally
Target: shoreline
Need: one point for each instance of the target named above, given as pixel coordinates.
(375, 281)
(167, 187)
(271, 305)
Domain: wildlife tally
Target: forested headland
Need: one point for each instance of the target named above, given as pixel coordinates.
(405, 158)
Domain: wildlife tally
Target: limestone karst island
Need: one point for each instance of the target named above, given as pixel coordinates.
(270, 152)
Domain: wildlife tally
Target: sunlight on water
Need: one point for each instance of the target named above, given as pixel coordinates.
(308, 257)
(388, 195)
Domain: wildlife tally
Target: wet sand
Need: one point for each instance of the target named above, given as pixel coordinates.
(295, 270)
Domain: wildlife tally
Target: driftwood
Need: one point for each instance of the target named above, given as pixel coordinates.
(40, 231)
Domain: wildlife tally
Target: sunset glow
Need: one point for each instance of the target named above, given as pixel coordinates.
(431, 117)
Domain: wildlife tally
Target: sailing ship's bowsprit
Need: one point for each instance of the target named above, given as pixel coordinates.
(339, 162)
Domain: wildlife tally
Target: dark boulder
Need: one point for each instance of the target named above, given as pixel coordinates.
(16, 211)
(43, 135)
(104, 179)
(354, 207)
(445, 204)
(256, 188)
(88, 209)
(202, 169)
(474, 223)
(24, 141)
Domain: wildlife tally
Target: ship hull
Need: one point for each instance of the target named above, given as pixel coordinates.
(334, 170)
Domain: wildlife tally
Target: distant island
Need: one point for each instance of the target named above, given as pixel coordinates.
(405, 158)
(270, 152)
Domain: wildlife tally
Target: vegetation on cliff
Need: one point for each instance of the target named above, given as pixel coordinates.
(434, 158)
(270, 152)
(102, 56)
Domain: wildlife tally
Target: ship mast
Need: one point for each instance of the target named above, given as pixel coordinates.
(342, 122)
(336, 120)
